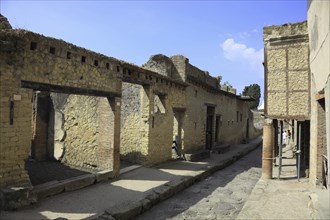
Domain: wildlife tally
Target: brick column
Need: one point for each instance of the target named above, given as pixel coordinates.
(267, 150)
(116, 108)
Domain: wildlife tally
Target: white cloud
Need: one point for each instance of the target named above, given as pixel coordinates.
(237, 52)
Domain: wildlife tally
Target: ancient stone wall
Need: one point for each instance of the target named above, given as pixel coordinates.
(30, 61)
(204, 91)
(287, 75)
(147, 121)
(162, 122)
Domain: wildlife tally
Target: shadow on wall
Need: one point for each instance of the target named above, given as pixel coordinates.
(46, 171)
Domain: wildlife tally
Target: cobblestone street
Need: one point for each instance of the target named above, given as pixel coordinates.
(220, 196)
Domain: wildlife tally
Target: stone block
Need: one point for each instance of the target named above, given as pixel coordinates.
(79, 182)
(48, 189)
(298, 104)
(176, 185)
(298, 57)
(104, 175)
(298, 80)
(12, 198)
(276, 59)
(153, 198)
(276, 81)
(276, 103)
(126, 210)
(164, 192)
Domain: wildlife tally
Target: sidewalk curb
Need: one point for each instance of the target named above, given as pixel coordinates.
(129, 210)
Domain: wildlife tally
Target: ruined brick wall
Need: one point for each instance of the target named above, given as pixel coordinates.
(162, 122)
(231, 129)
(203, 91)
(287, 75)
(146, 127)
(31, 61)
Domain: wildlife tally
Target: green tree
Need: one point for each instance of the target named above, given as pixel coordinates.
(253, 90)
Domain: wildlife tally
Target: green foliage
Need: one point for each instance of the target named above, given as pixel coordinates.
(227, 85)
(253, 90)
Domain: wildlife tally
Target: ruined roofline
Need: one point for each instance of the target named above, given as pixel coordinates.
(26, 35)
(206, 75)
(152, 73)
(44, 43)
(285, 30)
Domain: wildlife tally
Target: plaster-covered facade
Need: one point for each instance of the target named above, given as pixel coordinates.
(319, 34)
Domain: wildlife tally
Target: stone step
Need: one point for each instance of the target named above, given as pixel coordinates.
(197, 155)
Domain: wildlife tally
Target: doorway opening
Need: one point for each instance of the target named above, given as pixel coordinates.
(177, 145)
(209, 127)
(67, 140)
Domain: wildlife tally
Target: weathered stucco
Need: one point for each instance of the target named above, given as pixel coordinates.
(319, 35)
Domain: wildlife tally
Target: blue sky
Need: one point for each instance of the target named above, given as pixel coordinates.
(222, 37)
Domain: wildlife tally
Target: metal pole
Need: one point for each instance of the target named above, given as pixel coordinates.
(280, 151)
(299, 150)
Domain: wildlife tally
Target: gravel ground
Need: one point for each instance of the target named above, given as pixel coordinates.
(220, 196)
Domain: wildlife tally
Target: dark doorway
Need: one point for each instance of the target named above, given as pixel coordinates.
(217, 128)
(209, 127)
(247, 129)
(40, 121)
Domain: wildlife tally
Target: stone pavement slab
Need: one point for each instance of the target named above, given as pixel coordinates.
(133, 192)
(280, 199)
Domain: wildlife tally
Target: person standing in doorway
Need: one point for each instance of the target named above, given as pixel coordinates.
(289, 137)
(284, 138)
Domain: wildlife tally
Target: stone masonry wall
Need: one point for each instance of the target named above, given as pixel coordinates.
(33, 61)
(162, 123)
(203, 91)
(146, 133)
(287, 71)
(81, 126)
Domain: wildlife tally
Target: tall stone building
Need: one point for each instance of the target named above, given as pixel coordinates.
(287, 85)
(297, 73)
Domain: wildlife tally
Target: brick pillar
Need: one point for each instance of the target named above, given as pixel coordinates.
(116, 108)
(267, 150)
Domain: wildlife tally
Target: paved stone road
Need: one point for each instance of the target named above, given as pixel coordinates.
(220, 196)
